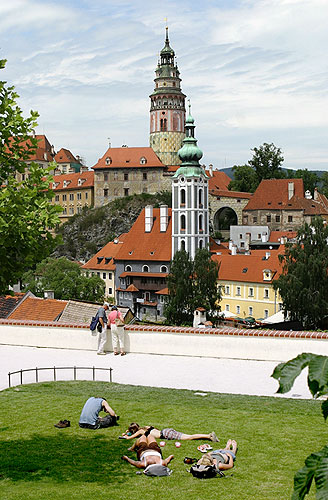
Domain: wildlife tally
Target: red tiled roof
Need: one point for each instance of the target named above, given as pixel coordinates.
(164, 291)
(218, 180)
(277, 235)
(65, 156)
(8, 303)
(222, 248)
(132, 288)
(39, 309)
(273, 194)
(104, 259)
(310, 207)
(231, 194)
(43, 151)
(154, 245)
(248, 268)
(72, 181)
(129, 158)
(173, 168)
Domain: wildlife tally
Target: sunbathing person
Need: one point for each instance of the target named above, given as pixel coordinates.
(135, 431)
(222, 459)
(148, 454)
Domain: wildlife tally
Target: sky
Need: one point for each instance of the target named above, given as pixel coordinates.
(255, 71)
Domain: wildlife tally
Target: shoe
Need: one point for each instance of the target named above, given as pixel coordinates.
(116, 353)
(62, 424)
(123, 353)
(101, 353)
(214, 437)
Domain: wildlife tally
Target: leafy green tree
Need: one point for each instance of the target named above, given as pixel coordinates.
(26, 214)
(266, 162)
(245, 179)
(65, 278)
(324, 183)
(191, 284)
(303, 285)
(310, 179)
(178, 309)
(316, 464)
(206, 292)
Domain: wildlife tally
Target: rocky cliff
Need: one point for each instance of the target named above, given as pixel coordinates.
(84, 234)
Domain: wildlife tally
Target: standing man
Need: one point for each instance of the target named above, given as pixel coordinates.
(90, 419)
(103, 334)
(117, 330)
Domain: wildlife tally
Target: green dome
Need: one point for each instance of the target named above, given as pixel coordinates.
(190, 152)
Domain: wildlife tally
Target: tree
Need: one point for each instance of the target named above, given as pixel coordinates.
(191, 284)
(26, 214)
(324, 181)
(178, 309)
(310, 179)
(316, 464)
(303, 285)
(245, 179)
(266, 162)
(64, 277)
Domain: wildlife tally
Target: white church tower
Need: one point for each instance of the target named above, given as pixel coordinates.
(190, 221)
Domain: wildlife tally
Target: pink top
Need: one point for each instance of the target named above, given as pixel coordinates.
(113, 315)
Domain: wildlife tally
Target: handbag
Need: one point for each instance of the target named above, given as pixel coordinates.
(118, 321)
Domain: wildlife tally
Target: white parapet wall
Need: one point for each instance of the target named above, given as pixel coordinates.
(218, 343)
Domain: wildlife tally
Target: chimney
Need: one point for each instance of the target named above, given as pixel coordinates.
(52, 150)
(248, 241)
(48, 294)
(315, 194)
(290, 190)
(164, 217)
(264, 237)
(210, 167)
(267, 255)
(45, 156)
(148, 218)
(230, 244)
(234, 250)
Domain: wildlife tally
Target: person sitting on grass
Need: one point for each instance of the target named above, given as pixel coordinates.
(149, 455)
(90, 419)
(135, 431)
(222, 459)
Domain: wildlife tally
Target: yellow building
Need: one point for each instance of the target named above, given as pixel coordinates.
(246, 283)
(73, 192)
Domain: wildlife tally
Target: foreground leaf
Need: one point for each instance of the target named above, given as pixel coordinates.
(286, 373)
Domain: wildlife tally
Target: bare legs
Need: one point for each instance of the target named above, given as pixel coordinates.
(231, 445)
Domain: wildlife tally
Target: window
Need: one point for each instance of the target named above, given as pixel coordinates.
(71, 210)
(162, 299)
(110, 291)
(145, 269)
(227, 290)
(200, 223)
(143, 161)
(250, 311)
(182, 197)
(98, 274)
(86, 195)
(115, 175)
(266, 293)
(266, 313)
(79, 209)
(277, 218)
(227, 307)
(57, 197)
(163, 124)
(200, 198)
(126, 176)
(126, 191)
(183, 245)
(108, 161)
(183, 222)
(109, 276)
(238, 309)
(240, 236)
(104, 276)
(79, 196)
(238, 291)
(242, 244)
(268, 218)
(251, 292)
(144, 176)
(290, 218)
(106, 192)
(128, 269)
(71, 197)
(65, 211)
(106, 177)
(163, 269)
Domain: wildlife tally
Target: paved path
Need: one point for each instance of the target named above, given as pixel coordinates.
(180, 372)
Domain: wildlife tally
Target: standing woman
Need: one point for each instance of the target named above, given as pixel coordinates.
(117, 328)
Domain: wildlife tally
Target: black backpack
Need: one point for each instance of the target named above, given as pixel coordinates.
(205, 471)
(94, 322)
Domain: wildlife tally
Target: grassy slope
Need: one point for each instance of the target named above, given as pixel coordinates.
(38, 461)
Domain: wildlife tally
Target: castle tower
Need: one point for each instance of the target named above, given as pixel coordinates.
(190, 215)
(167, 108)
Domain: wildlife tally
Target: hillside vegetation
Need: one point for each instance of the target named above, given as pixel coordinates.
(85, 234)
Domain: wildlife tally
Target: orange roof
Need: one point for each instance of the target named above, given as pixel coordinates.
(248, 268)
(310, 207)
(231, 194)
(43, 151)
(277, 235)
(72, 181)
(9, 302)
(154, 245)
(273, 194)
(39, 309)
(128, 158)
(173, 168)
(164, 291)
(104, 259)
(222, 248)
(65, 156)
(218, 180)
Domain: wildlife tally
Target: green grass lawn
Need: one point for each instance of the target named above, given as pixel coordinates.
(39, 461)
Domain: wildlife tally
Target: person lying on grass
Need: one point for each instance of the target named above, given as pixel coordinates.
(222, 459)
(135, 431)
(148, 453)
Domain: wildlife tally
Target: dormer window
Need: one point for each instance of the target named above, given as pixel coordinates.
(128, 269)
(145, 269)
(99, 260)
(267, 274)
(108, 160)
(143, 160)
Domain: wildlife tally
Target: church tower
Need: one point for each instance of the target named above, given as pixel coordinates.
(190, 222)
(167, 108)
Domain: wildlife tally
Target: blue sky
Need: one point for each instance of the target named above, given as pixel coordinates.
(255, 70)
